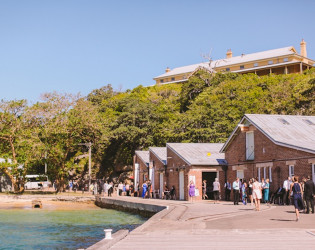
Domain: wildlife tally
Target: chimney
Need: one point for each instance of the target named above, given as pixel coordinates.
(167, 70)
(229, 54)
(303, 48)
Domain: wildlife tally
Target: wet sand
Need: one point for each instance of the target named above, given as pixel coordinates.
(48, 204)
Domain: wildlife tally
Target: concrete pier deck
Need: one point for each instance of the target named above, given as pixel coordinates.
(204, 225)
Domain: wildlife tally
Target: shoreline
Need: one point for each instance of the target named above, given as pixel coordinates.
(50, 202)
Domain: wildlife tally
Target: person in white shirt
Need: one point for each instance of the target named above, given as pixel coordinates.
(216, 189)
(236, 191)
(286, 194)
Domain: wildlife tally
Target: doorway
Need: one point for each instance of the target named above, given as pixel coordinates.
(209, 177)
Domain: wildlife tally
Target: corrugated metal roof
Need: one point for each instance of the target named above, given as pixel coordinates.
(233, 60)
(291, 131)
(160, 153)
(198, 153)
(144, 156)
(287, 130)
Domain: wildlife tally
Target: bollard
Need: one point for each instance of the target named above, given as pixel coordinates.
(108, 234)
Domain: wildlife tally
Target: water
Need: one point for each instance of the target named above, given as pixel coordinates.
(60, 229)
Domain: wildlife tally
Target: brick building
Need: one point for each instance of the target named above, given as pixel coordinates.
(271, 146)
(157, 167)
(193, 161)
(140, 168)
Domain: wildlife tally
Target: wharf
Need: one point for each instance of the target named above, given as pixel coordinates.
(205, 225)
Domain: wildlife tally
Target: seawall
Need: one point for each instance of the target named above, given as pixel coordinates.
(143, 209)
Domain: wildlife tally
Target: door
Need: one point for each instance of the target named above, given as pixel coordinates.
(151, 177)
(181, 186)
(313, 172)
(137, 176)
(161, 185)
(210, 178)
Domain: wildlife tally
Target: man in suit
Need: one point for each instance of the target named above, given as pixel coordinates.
(309, 191)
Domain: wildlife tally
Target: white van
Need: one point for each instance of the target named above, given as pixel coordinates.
(36, 182)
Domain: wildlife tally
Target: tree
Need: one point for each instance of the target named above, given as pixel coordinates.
(66, 122)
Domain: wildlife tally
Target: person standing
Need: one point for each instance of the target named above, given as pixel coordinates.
(250, 191)
(244, 192)
(149, 188)
(236, 191)
(262, 184)
(309, 192)
(191, 191)
(120, 188)
(257, 195)
(227, 187)
(216, 190)
(286, 194)
(127, 186)
(204, 190)
(266, 191)
(144, 189)
(296, 188)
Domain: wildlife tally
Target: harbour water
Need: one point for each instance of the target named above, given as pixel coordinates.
(55, 228)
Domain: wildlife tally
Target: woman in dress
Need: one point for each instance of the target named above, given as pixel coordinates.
(216, 190)
(297, 196)
(191, 191)
(244, 193)
(144, 189)
(266, 191)
(250, 191)
(257, 194)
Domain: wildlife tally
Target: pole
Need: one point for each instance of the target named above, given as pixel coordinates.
(46, 162)
(90, 162)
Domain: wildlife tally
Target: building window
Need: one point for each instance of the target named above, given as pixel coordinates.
(161, 81)
(173, 78)
(291, 170)
(258, 174)
(270, 62)
(255, 64)
(286, 59)
(242, 67)
(270, 175)
(227, 69)
(250, 146)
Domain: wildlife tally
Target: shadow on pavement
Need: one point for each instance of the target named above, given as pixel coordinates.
(281, 220)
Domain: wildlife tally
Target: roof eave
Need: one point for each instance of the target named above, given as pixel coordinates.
(150, 150)
(180, 156)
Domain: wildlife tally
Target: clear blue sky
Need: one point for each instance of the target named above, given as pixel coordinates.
(76, 46)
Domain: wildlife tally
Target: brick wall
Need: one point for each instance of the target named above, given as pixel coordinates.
(266, 151)
(143, 169)
(158, 167)
(175, 164)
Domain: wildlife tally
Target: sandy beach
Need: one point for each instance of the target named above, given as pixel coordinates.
(48, 202)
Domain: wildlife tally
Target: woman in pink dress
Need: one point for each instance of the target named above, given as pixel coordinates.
(257, 195)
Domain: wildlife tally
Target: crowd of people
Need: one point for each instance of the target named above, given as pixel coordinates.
(292, 192)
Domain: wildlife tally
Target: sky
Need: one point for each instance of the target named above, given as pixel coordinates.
(76, 46)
